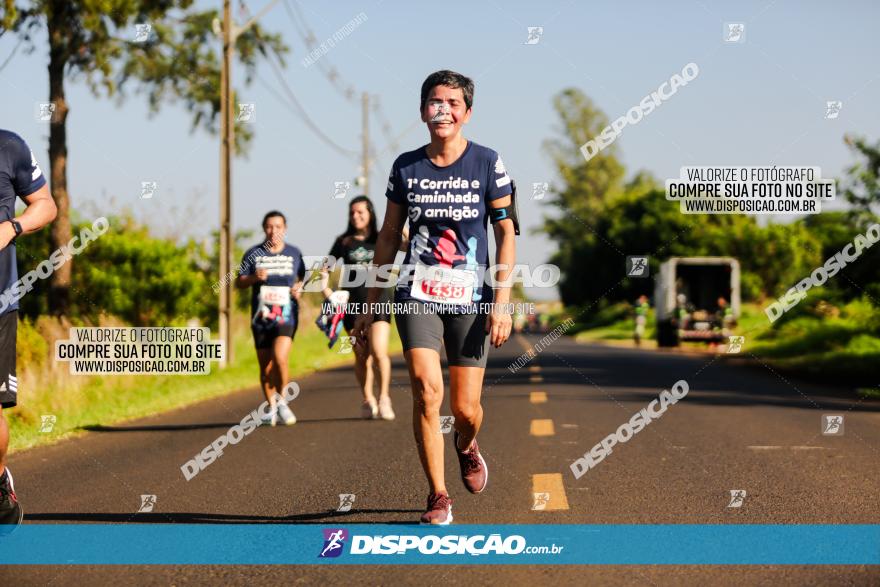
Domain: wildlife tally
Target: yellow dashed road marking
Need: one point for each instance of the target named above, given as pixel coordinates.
(542, 428)
(535, 368)
(536, 379)
(538, 397)
(550, 483)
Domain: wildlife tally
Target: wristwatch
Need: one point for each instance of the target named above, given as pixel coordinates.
(17, 227)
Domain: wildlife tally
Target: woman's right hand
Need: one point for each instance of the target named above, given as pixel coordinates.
(361, 329)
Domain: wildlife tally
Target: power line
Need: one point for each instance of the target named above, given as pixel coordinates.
(308, 37)
(332, 74)
(11, 55)
(304, 113)
(297, 17)
(291, 98)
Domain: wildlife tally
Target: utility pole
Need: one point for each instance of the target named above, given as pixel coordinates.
(365, 131)
(227, 128)
(230, 33)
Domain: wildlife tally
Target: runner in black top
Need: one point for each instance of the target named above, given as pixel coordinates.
(355, 249)
(274, 271)
(20, 177)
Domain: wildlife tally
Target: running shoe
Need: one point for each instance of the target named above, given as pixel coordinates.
(385, 411)
(439, 510)
(369, 410)
(474, 471)
(270, 419)
(285, 414)
(11, 513)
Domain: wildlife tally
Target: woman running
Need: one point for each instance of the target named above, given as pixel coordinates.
(448, 189)
(355, 248)
(274, 271)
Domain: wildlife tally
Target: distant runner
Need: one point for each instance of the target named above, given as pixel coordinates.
(642, 308)
(274, 271)
(448, 189)
(21, 177)
(356, 247)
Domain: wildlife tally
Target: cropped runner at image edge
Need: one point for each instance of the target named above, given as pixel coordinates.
(20, 177)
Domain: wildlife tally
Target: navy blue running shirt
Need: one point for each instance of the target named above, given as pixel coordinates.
(20, 176)
(447, 209)
(271, 304)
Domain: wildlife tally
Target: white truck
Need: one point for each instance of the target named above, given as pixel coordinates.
(696, 299)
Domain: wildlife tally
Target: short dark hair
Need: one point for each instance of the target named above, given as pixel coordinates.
(272, 214)
(449, 79)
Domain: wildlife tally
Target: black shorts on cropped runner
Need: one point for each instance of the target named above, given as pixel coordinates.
(462, 333)
(264, 338)
(350, 318)
(8, 380)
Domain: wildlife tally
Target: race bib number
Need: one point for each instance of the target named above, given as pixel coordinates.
(272, 295)
(443, 285)
(275, 307)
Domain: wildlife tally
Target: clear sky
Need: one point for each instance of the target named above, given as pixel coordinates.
(760, 102)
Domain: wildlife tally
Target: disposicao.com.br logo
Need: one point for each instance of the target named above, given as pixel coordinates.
(429, 544)
(334, 542)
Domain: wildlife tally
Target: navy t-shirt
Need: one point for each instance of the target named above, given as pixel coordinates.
(20, 176)
(270, 305)
(448, 215)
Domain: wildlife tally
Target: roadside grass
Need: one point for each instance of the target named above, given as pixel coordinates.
(825, 342)
(77, 401)
(620, 330)
(869, 393)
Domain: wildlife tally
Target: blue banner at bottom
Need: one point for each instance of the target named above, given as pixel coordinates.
(301, 544)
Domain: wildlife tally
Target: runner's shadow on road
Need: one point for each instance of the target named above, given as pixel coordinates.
(157, 427)
(204, 518)
(318, 420)
(183, 427)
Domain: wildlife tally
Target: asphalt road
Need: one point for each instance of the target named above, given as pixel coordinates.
(740, 427)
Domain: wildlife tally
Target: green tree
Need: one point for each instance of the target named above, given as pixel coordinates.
(862, 186)
(835, 230)
(144, 280)
(602, 218)
(583, 189)
(586, 184)
(93, 40)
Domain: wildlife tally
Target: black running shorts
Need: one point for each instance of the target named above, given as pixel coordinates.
(264, 338)
(463, 334)
(8, 380)
(349, 319)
